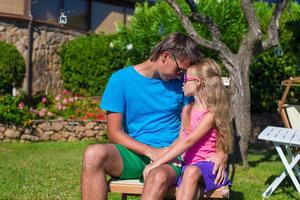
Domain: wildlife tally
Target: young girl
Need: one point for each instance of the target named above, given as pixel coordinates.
(204, 131)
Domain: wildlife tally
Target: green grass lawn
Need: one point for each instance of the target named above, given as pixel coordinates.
(52, 171)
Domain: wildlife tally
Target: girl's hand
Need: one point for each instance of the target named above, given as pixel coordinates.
(148, 168)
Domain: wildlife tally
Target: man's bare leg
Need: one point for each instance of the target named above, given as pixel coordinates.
(158, 181)
(99, 160)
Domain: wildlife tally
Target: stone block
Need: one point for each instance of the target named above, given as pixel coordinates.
(2, 135)
(90, 125)
(29, 137)
(65, 134)
(45, 138)
(2, 129)
(57, 126)
(56, 136)
(79, 129)
(89, 133)
(72, 139)
(12, 134)
(46, 126)
(70, 128)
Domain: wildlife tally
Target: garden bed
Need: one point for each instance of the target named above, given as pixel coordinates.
(53, 130)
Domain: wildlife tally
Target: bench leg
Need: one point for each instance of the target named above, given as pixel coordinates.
(198, 193)
(124, 196)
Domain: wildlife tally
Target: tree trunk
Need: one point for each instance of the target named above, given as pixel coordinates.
(240, 107)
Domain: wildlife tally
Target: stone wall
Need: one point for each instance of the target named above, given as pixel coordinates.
(56, 130)
(60, 130)
(47, 41)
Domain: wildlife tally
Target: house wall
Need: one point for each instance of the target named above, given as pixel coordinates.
(47, 41)
(48, 36)
(105, 17)
(16, 7)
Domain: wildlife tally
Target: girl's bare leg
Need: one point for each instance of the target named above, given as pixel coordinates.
(189, 184)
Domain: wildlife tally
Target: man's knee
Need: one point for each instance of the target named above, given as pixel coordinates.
(158, 177)
(94, 156)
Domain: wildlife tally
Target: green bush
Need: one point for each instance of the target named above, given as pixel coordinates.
(12, 68)
(270, 68)
(87, 62)
(13, 110)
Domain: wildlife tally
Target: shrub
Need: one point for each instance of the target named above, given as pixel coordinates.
(270, 68)
(12, 68)
(87, 62)
(13, 110)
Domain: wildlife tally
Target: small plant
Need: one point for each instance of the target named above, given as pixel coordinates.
(22, 109)
(14, 110)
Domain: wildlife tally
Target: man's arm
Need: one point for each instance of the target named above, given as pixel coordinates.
(118, 136)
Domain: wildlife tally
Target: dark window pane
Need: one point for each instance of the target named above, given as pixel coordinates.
(76, 12)
(45, 10)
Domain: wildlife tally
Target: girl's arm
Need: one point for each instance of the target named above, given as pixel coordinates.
(181, 145)
(180, 137)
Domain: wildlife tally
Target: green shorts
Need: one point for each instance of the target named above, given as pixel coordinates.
(134, 164)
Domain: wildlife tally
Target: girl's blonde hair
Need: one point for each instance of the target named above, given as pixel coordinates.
(212, 92)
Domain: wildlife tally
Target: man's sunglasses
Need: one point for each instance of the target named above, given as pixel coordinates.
(179, 70)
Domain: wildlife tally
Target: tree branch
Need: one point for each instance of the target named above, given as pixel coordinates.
(273, 29)
(188, 25)
(215, 45)
(253, 24)
(206, 20)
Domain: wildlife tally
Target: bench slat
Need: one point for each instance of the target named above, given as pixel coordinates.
(134, 187)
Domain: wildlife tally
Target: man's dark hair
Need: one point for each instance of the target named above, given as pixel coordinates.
(180, 45)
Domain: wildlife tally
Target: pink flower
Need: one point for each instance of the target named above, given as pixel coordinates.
(32, 110)
(71, 99)
(65, 101)
(59, 107)
(44, 100)
(42, 112)
(50, 114)
(21, 105)
(57, 98)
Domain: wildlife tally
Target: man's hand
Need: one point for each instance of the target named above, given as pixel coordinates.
(154, 153)
(220, 161)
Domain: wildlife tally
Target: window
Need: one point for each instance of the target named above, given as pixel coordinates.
(75, 10)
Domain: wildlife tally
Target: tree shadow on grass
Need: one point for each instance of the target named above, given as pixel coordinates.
(236, 195)
(286, 187)
(267, 154)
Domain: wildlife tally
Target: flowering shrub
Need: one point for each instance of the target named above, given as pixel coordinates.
(13, 110)
(22, 110)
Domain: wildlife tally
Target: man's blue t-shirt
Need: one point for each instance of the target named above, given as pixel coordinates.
(151, 108)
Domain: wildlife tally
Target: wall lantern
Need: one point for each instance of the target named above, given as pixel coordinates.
(62, 18)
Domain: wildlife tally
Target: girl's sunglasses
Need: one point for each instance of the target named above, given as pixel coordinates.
(187, 79)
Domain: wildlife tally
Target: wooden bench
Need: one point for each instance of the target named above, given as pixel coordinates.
(134, 187)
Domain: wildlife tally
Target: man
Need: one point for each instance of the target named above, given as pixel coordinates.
(143, 104)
